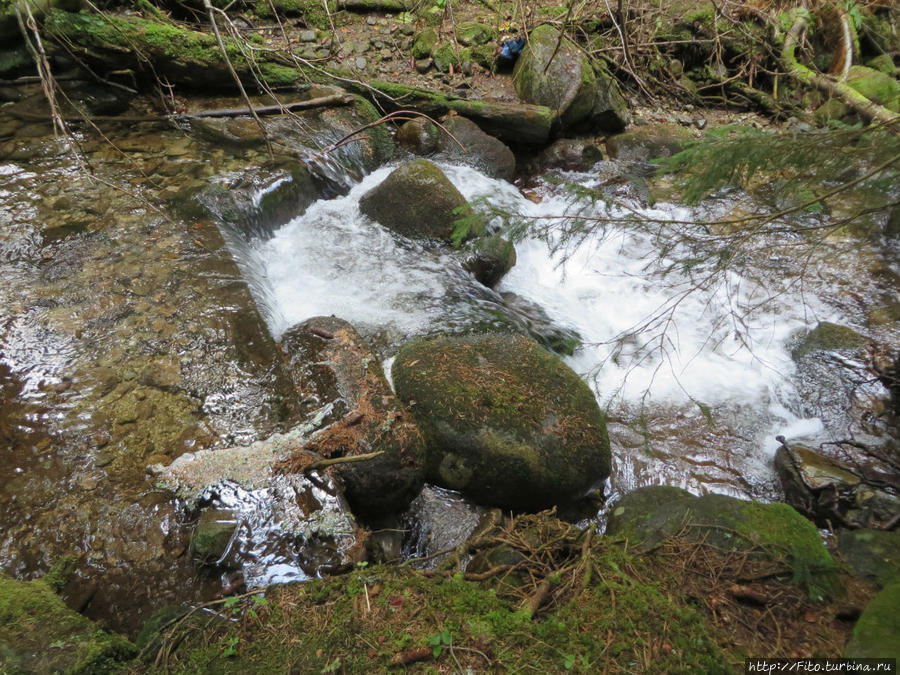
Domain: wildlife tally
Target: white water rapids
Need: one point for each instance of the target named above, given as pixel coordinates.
(699, 410)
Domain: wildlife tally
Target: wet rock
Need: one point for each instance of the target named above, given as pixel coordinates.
(534, 320)
(39, 634)
(877, 632)
(375, 421)
(238, 132)
(569, 154)
(829, 492)
(492, 257)
(419, 136)
(827, 337)
(484, 152)
(507, 423)
(583, 98)
(873, 555)
(440, 520)
(212, 535)
(642, 144)
(648, 516)
(416, 200)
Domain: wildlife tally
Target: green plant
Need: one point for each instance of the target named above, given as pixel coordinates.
(438, 641)
(231, 647)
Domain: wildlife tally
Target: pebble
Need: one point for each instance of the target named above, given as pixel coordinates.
(308, 36)
(360, 63)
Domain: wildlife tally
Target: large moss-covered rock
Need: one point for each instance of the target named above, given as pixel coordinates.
(484, 152)
(559, 75)
(328, 356)
(506, 422)
(39, 634)
(875, 85)
(416, 200)
(649, 516)
(877, 632)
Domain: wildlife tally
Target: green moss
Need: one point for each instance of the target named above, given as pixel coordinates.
(186, 56)
(39, 634)
(60, 573)
(472, 33)
(776, 531)
(424, 43)
(876, 86)
(381, 142)
(616, 622)
(877, 633)
(14, 60)
(827, 337)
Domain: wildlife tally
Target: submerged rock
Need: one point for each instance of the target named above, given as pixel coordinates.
(506, 422)
(416, 200)
(479, 150)
(419, 136)
(39, 634)
(877, 632)
(552, 71)
(648, 516)
(350, 377)
(212, 535)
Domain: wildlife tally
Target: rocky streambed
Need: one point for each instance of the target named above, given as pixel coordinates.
(202, 323)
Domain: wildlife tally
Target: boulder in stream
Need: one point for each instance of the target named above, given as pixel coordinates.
(480, 150)
(491, 258)
(552, 71)
(506, 422)
(416, 200)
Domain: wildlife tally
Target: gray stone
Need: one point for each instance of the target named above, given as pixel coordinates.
(559, 75)
(484, 152)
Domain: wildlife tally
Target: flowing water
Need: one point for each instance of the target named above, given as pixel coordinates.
(696, 396)
(128, 338)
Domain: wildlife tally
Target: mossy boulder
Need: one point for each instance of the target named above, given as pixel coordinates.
(877, 632)
(506, 422)
(883, 63)
(416, 200)
(424, 43)
(873, 555)
(552, 71)
(484, 152)
(472, 33)
(875, 85)
(649, 516)
(446, 55)
(419, 136)
(492, 257)
(39, 634)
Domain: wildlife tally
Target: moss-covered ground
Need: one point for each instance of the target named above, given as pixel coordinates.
(580, 603)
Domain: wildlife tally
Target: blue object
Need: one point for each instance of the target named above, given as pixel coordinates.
(510, 49)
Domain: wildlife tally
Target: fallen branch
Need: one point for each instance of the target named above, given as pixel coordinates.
(324, 463)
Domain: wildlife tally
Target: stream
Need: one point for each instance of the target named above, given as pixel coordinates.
(137, 328)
